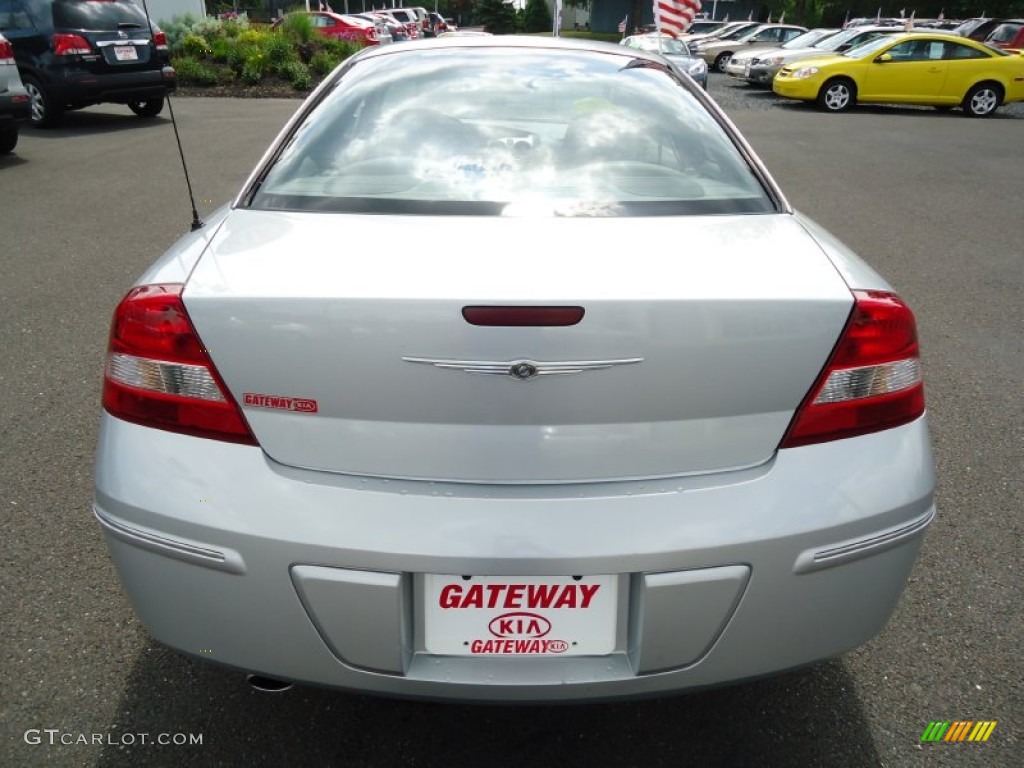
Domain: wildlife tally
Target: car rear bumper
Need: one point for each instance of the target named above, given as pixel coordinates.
(15, 107)
(319, 578)
(79, 86)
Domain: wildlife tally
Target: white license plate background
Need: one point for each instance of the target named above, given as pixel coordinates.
(125, 53)
(466, 631)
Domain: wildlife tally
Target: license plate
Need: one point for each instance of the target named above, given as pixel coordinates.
(125, 53)
(520, 615)
(746, 69)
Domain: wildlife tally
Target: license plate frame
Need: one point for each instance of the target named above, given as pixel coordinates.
(520, 616)
(126, 53)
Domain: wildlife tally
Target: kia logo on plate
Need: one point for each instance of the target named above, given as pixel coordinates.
(519, 625)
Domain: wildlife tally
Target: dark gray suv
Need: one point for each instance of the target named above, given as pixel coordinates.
(76, 53)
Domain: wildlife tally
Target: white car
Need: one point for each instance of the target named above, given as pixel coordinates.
(550, 459)
(737, 64)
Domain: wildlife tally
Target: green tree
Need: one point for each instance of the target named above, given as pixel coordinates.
(537, 17)
(496, 16)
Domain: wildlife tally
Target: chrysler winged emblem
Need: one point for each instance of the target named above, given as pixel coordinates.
(523, 370)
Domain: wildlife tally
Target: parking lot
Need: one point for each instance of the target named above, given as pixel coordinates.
(931, 199)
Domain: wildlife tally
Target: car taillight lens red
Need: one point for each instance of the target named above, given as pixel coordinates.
(159, 375)
(70, 45)
(6, 52)
(873, 380)
(160, 41)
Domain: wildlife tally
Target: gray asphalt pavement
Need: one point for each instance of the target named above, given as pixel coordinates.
(932, 200)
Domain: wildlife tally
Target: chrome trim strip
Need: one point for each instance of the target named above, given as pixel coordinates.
(106, 43)
(180, 549)
(815, 560)
(523, 370)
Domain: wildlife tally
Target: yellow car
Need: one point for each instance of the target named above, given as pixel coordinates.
(915, 68)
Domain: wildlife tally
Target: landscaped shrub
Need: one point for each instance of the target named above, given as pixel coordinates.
(255, 67)
(279, 50)
(224, 52)
(195, 46)
(209, 28)
(194, 72)
(298, 27)
(176, 29)
(342, 49)
(221, 48)
(298, 75)
(323, 63)
(234, 27)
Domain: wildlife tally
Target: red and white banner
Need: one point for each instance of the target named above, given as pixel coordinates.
(674, 16)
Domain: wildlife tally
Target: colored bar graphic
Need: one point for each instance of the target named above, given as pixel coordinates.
(934, 731)
(958, 730)
(982, 730)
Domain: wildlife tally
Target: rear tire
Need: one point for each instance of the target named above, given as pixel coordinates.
(46, 112)
(837, 95)
(722, 60)
(982, 100)
(147, 107)
(8, 139)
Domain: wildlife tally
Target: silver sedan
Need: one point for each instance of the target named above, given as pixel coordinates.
(675, 50)
(528, 447)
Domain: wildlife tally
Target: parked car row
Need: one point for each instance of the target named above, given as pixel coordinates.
(717, 51)
(375, 27)
(760, 65)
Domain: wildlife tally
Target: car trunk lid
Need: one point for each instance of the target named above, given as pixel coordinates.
(344, 340)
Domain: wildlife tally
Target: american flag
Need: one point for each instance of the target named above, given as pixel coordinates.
(622, 25)
(674, 16)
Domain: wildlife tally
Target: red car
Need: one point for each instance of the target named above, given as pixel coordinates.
(338, 26)
(1009, 35)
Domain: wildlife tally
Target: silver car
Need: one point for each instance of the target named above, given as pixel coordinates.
(675, 50)
(542, 460)
(15, 105)
(764, 65)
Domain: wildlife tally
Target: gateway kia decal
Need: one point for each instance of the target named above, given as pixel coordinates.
(530, 596)
(519, 630)
(299, 404)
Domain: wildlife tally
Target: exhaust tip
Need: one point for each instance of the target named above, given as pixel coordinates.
(267, 684)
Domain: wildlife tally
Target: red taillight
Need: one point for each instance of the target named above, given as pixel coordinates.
(159, 40)
(873, 380)
(70, 45)
(6, 52)
(159, 375)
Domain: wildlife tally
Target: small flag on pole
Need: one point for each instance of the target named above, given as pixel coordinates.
(623, 23)
(846, 22)
(672, 17)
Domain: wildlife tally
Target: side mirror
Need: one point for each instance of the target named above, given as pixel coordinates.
(884, 58)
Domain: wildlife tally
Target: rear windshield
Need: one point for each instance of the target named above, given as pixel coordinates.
(500, 131)
(97, 15)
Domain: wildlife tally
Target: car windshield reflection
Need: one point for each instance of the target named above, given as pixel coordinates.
(500, 132)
